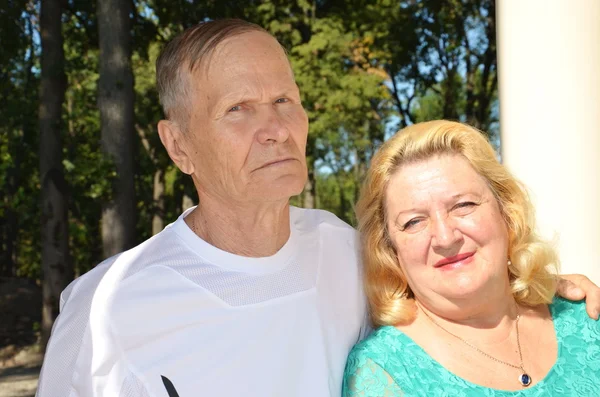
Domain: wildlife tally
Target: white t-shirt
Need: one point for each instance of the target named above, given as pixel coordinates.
(176, 316)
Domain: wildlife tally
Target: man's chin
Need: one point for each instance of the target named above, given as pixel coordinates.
(281, 189)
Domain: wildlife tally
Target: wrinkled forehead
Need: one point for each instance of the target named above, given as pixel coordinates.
(242, 49)
(435, 174)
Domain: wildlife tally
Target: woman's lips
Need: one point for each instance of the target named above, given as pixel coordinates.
(459, 259)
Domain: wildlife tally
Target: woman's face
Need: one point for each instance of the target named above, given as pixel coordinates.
(446, 225)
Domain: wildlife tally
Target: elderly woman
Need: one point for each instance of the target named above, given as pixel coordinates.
(462, 289)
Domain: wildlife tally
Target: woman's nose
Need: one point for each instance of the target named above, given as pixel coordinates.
(444, 232)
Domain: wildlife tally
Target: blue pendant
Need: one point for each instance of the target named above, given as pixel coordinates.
(525, 379)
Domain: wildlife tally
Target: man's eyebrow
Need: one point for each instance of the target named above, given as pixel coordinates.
(289, 91)
(231, 98)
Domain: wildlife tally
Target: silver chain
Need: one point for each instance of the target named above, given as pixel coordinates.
(479, 350)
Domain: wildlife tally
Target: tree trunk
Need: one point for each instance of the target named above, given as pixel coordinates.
(9, 225)
(343, 203)
(186, 202)
(56, 265)
(360, 170)
(8, 234)
(309, 196)
(115, 101)
(158, 189)
(450, 90)
(158, 197)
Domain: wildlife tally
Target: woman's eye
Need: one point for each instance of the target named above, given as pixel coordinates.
(465, 207)
(235, 108)
(465, 204)
(411, 224)
(282, 100)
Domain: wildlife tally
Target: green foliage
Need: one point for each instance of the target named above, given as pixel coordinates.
(19, 178)
(364, 67)
(337, 194)
(342, 89)
(87, 172)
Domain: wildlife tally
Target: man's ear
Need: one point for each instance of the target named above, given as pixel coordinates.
(173, 140)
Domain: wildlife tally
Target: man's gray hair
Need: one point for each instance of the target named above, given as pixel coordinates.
(182, 55)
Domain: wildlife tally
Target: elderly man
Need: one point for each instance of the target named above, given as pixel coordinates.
(242, 295)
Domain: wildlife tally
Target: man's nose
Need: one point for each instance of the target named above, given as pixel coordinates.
(444, 232)
(272, 127)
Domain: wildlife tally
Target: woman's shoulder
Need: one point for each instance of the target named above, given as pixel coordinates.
(579, 348)
(388, 349)
(378, 342)
(563, 308)
(375, 365)
(571, 318)
(390, 363)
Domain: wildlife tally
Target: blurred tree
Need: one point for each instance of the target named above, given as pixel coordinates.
(458, 43)
(455, 58)
(364, 67)
(153, 158)
(19, 182)
(115, 101)
(345, 99)
(89, 172)
(342, 89)
(56, 266)
(441, 51)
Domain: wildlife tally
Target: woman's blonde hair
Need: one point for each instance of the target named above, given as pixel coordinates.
(534, 262)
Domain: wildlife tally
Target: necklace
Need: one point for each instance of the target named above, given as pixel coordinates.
(524, 378)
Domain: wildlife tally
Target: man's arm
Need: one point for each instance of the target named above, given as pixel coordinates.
(67, 361)
(60, 360)
(577, 287)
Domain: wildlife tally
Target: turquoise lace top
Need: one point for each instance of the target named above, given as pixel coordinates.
(388, 363)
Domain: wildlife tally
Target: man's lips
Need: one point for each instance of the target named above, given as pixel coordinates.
(454, 259)
(275, 162)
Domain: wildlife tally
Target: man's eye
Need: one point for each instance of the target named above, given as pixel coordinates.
(282, 100)
(235, 108)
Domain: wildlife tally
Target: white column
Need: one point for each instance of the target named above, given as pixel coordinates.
(549, 86)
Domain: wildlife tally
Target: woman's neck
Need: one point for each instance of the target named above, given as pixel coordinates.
(487, 322)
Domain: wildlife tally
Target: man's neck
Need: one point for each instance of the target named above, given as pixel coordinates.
(246, 230)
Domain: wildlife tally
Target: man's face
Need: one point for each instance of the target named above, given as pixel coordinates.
(246, 136)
